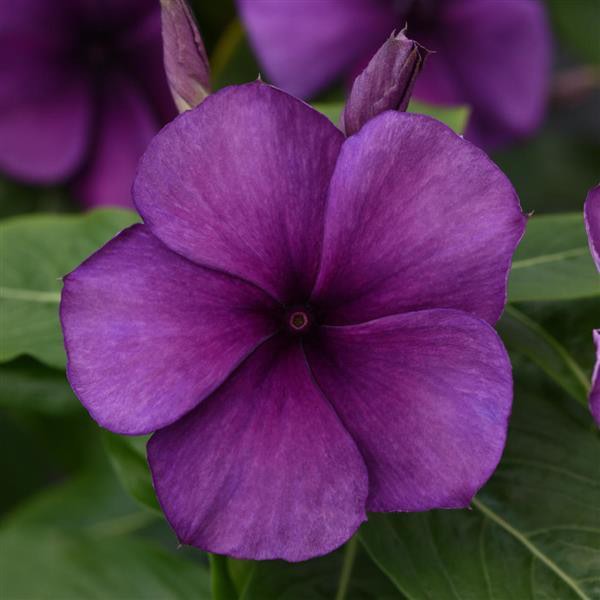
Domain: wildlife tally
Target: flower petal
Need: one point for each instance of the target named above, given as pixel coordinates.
(149, 334)
(304, 44)
(125, 127)
(595, 391)
(263, 469)
(591, 213)
(240, 183)
(501, 55)
(416, 218)
(426, 396)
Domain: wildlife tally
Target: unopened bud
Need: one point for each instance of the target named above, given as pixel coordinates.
(386, 83)
(186, 62)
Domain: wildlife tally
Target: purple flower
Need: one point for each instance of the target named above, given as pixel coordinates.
(303, 319)
(82, 91)
(494, 55)
(591, 213)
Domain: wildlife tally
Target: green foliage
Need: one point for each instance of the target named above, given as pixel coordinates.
(534, 531)
(36, 252)
(523, 335)
(51, 564)
(128, 457)
(553, 261)
(29, 386)
(578, 24)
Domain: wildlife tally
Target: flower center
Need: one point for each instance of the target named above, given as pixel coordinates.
(298, 319)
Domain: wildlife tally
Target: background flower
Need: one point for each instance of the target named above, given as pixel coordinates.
(305, 320)
(493, 55)
(82, 93)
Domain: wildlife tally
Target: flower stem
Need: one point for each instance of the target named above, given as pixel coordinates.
(346, 572)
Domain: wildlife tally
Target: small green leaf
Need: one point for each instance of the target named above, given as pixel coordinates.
(524, 335)
(534, 531)
(456, 117)
(37, 251)
(553, 261)
(128, 457)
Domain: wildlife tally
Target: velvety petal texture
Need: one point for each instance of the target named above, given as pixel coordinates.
(149, 334)
(417, 218)
(591, 213)
(240, 184)
(426, 396)
(305, 45)
(264, 468)
(303, 320)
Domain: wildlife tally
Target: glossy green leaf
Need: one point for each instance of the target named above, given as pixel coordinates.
(36, 252)
(128, 457)
(553, 261)
(534, 531)
(28, 385)
(522, 334)
(51, 564)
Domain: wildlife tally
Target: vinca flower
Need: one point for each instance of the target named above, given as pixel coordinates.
(592, 224)
(83, 92)
(493, 55)
(303, 321)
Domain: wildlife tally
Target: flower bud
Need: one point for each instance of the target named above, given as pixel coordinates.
(186, 62)
(386, 83)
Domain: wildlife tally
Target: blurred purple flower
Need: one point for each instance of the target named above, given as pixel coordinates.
(82, 92)
(303, 319)
(592, 223)
(494, 55)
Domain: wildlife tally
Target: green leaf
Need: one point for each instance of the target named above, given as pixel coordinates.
(456, 117)
(51, 564)
(37, 251)
(317, 579)
(28, 385)
(128, 457)
(524, 335)
(553, 261)
(534, 531)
